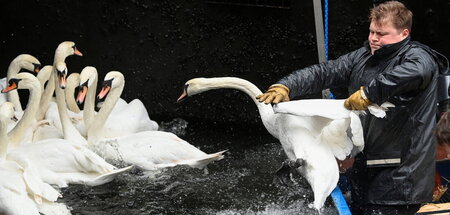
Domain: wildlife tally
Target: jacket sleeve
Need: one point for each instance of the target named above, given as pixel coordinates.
(412, 75)
(313, 79)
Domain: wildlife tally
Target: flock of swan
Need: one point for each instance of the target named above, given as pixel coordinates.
(53, 143)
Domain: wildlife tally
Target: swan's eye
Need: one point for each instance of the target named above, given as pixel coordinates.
(61, 72)
(14, 81)
(37, 66)
(107, 82)
(84, 84)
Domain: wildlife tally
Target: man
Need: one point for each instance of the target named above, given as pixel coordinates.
(395, 172)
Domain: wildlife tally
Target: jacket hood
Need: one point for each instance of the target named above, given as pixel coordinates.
(440, 59)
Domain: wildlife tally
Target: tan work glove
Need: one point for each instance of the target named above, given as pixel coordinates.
(275, 94)
(357, 101)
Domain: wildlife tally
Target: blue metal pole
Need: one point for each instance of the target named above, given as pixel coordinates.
(339, 202)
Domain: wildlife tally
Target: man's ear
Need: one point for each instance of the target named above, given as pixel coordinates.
(405, 33)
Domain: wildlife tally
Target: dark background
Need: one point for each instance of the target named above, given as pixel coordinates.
(159, 45)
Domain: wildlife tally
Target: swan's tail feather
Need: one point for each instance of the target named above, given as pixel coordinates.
(52, 208)
(196, 163)
(107, 177)
(39, 188)
(211, 157)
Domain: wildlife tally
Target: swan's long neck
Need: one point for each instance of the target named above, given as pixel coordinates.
(4, 140)
(266, 111)
(70, 91)
(60, 55)
(46, 97)
(89, 105)
(96, 126)
(13, 95)
(69, 130)
(29, 116)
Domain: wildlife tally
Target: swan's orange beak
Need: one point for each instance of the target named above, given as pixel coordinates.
(182, 97)
(62, 80)
(184, 94)
(37, 67)
(11, 86)
(77, 52)
(105, 90)
(82, 95)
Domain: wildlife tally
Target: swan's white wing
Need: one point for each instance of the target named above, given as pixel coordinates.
(357, 131)
(128, 119)
(14, 197)
(53, 208)
(38, 187)
(328, 108)
(380, 111)
(334, 135)
(61, 162)
(154, 149)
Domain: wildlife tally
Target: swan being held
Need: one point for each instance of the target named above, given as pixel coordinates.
(304, 138)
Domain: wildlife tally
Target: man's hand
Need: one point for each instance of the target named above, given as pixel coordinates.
(275, 94)
(357, 101)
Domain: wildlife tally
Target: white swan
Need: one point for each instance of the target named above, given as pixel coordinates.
(125, 119)
(23, 61)
(21, 190)
(24, 81)
(301, 137)
(69, 130)
(149, 149)
(56, 161)
(43, 77)
(54, 128)
(63, 50)
(46, 129)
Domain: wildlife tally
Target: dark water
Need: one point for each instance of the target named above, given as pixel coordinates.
(241, 183)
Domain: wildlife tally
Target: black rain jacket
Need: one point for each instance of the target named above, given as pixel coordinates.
(398, 161)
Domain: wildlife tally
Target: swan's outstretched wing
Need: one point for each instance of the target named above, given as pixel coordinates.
(356, 131)
(334, 135)
(328, 108)
(380, 111)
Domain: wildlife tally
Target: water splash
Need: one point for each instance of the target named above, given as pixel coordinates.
(241, 183)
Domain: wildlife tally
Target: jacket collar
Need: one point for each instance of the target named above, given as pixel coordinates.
(388, 50)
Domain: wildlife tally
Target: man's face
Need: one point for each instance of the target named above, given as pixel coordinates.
(384, 33)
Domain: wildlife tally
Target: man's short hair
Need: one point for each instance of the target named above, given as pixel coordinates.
(393, 11)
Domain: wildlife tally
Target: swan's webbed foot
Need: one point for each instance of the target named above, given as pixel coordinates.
(284, 172)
